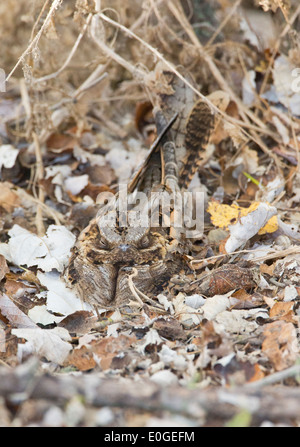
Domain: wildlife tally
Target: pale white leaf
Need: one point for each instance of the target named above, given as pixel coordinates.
(281, 129)
(112, 329)
(59, 241)
(151, 338)
(76, 184)
(272, 190)
(248, 88)
(40, 314)
(224, 361)
(58, 173)
(290, 293)
(60, 299)
(14, 315)
(162, 299)
(171, 358)
(85, 340)
(164, 378)
(186, 314)
(239, 321)
(47, 343)
(122, 161)
(86, 156)
(292, 231)
(59, 115)
(213, 306)
(258, 28)
(195, 301)
(263, 284)
(49, 252)
(8, 156)
(249, 225)
(258, 251)
(285, 84)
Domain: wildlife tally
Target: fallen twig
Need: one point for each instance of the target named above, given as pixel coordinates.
(272, 403)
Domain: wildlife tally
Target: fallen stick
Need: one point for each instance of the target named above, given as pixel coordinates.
(272, 403)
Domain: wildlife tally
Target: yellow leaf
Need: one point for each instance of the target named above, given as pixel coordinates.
(270, 227)
(224, 215)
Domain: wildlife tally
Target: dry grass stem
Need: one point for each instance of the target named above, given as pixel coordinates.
(55, 5)
(70, 55)
(38, 177)
(134, 290)
(223, 84)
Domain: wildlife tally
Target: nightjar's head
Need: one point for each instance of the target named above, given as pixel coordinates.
(129, 245)
(106, 255)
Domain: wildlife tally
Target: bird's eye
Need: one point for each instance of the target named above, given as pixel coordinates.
(103, 244)
(144, 242)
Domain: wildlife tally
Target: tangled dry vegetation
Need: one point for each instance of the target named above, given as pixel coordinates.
(220, 346)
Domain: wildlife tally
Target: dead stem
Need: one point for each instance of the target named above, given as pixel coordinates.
(140, 75)
(138, 294)
(38, 19)
(276, 254)
(49, 212)
(39, 175)
(135, 292)
(70, 55)
(55, 5)
(276, 48)
(278, 376)
(97, 36)
(224, 23)
(39, 170)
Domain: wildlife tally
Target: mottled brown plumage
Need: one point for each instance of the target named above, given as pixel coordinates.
(104, 258)
(199, 127)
